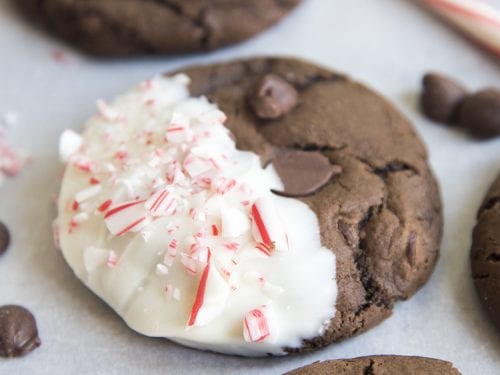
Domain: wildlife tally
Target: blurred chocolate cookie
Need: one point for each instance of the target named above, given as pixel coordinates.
(485, 253)
(383, 364)
(138, 27)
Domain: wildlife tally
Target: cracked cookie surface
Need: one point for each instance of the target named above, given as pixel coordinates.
(383, 364)
(139, 27)
(485, 253)
(381, 216)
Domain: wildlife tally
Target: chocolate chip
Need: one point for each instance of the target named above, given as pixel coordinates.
(441, 98)
(273, 97)
(18, 332)
(4, 238)
(480, 113)
(302, 172)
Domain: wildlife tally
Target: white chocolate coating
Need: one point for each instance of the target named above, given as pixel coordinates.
(156, 217)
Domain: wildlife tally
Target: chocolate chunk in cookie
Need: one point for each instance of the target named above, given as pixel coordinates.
(485, 253)
(382, 364)
(441, 97)
(18, 331)
(113, 28)
(480, 113)
(303, 172)
(273, 97)
(4, 238)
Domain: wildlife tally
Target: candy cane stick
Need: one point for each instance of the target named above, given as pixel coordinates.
(475, 18)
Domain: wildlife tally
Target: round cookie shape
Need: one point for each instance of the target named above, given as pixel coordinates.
(485, 253)
(381, 216)
(369, 231)
(114, 28)
(381, 364)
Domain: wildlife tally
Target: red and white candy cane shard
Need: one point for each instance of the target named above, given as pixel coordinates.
(125, 217)
(256, 326)
(87, 193)
(196, 165)
(266, 225)
(211, 296)
(190, 263)
(178, 129)
(475, 18)
(224, 185)
(161, 203)
(200, 294)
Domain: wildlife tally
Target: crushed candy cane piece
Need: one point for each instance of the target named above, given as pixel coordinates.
(125, 217)
(178, 129)
(88, 193)
(162, 203)
(256, 326)
(211, 296)
(267, 226)
(69, 143)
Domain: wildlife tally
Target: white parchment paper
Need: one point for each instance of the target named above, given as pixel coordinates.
(387, 44)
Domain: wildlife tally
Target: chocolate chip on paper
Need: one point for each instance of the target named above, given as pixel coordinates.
(303, 172)
(18, 331)
(441, 98)
(273, 97)
(480, 113)
(4, 238)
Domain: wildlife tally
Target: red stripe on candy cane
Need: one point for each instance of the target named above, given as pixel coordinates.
(131, 226)
(200, 293)
(125, 217)
(475, 18)
(260, 225)
(466, 8)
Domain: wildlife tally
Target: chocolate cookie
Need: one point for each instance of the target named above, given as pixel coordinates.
(381, 215)
(485, 253)
(383, 364)
(139, 27)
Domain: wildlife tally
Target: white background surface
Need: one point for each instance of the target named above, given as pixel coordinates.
(387, 44)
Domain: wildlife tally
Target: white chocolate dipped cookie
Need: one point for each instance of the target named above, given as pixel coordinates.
(178, 231)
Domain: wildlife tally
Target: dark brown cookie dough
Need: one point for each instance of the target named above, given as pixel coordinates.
(485, 253)
(381, 215)
(379, 365)
(139, 27)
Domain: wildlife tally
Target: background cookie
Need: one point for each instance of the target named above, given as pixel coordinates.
(381, 215)
(384, 364)
(485, 253)
(120, 28)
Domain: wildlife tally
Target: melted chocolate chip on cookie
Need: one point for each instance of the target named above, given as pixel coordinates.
(273, 97)
(303, 173)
